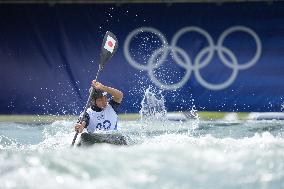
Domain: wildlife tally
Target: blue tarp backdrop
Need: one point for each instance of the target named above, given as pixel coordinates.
(227, 57)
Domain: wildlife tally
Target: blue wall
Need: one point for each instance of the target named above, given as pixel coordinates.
(227, 57)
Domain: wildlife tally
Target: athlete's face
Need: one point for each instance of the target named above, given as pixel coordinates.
(101, 102)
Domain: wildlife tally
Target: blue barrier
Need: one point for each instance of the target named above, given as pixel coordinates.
(225, 57)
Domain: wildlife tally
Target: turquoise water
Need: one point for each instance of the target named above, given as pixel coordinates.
(164, 154)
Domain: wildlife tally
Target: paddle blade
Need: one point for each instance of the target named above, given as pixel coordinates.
(109, 47)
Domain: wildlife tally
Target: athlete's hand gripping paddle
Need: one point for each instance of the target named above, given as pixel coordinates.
(109, 47)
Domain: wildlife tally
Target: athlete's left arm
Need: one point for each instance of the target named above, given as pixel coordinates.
(117, 95)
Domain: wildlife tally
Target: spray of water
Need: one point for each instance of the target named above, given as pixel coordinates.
(153, 115)
(153, 107)
(194, 114)
(6, 142)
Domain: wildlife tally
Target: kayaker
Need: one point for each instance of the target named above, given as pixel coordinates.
(102, 115)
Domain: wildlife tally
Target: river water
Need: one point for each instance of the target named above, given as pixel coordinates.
(189, 154)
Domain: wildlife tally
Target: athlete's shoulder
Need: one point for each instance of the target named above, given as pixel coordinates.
(114, 105)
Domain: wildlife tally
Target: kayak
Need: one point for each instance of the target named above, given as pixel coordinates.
(96, 138)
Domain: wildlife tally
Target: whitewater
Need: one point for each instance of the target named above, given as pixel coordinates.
(186, 154)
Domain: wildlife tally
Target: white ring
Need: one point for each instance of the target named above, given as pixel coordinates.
(187, 67)
(243, 29)
(136, 32)
(221, 85)
(201, 32)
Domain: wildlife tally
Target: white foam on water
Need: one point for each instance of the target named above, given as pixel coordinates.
(165, 154)
(164, 161)
(58, 135)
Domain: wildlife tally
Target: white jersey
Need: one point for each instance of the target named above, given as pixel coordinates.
(104, 120)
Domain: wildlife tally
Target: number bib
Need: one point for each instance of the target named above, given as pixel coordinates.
(104, 120)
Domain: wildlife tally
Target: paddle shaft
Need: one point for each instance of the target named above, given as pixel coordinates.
(87, 105)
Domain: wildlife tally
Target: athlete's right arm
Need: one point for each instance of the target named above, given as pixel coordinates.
(80, 126)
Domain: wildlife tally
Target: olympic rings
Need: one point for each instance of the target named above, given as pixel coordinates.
(186, 61)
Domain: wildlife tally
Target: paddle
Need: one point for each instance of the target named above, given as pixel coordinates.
(109, 47)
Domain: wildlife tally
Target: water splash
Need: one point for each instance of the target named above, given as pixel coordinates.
(282, 107)
(153, 112)
(6, 142)
(56, 135)
(194, 114)
(153, 107)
